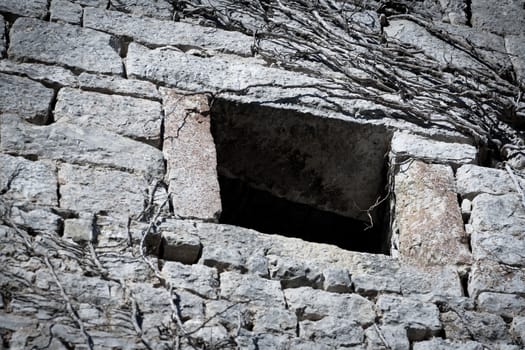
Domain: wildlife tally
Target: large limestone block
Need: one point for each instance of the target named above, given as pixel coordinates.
(65, 11)
(25, 97)
(249, 288)
(420, 319)
(40, 72)
(428, 217)
(505, 305)
(515, 45)
(64, 44)
(332, 331)
(116, 85)
(191, 158)
(313, 304)
(24, 182)
(489, 276)
(503, 247)
(405, 146)
(159, 8)
(492, 213)
(32, 8)
(153, 32)
(472, 180)
(199, 279)
(86, 189)
(80, 145)
(500, 17)
(136, 118)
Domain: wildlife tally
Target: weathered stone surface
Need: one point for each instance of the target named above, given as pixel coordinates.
(191, 158)
(117, 85)
(3, 42)
(505, 305)
(65, 11)
(27, 98)
(249, 288)
(504, 214)
(80, 145)
(337, 280)
(34, 8)
(485, 327)
(421, 320)
(64, 44)
(154, 32)
(312, 304)
(433, 282)
(293, 273)
(23, 182)
(132, 117)
(516, 50)
(427, 215)
(79, 230)
(501, 17)
(518, 328)
(40, 72)
(406, 146)
(91, 190)
(374, 284)
(445, 344)
(489, 276)
(472, 180)
(503, 247)
(199, 279)
(332, 331)
(159, 8)
(275, 320)
(395, 338)
(36, 220)
(92, 3)
(180, 246)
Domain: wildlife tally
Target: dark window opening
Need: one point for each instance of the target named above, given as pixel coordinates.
(298, 175)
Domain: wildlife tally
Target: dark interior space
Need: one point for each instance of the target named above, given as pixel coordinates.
(248, 207)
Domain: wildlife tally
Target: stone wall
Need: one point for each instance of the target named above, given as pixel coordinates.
(118, 124)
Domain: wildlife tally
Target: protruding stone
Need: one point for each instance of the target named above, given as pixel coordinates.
(27, 98)
(420, 319)
(180, 246)
(405, 146)
(91, 190)
(79, 230)
(337, 280)
(64, 44)
(198, 279)
(80, 145)
(371, 285)
(249, 288)
(473, 180)
(293, 273)
(117, 85)
(153, 32)
(65, 11)
(33, 8)
(428, 217)
(313, 304)
(132, 117)
(159, 8)
(191, 157)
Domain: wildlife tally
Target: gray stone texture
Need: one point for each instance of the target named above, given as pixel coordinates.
(249, 288)
(516, 50)
(506, 305)
(52, 75)
(199, 279)
(112, 84)
(3, 42)
(31, 8)
(332, 331)
(191, 158)
(78, 145)
(138, 119)
(472, 180)
(25, 97)
(65, 45)
(159, 8)
(153, 32)
(179, 246)
(490, 276)
(79, 230)
(500, 17)
(428, 216)
(65, 11)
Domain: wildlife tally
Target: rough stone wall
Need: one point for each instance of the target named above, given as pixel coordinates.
(110, 200)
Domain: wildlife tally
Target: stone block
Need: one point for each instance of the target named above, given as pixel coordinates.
(517, 328)
(199, 279)
(79, 230)
(503, 214)
(153, 32)
(500, 246)
(500, 17)
(489, 276)
(405, 146)
(337, 280)
(274, 320)
(420, 319)
(313, 304)
(52, 75)
(92, 3)
(484, 327)
(516, 49)
(472, 180)
(159, 8)
(23, 182)
(136, 118)
(91, 190)
(80, 145)
(3, 43)
(180, 246)
(249, 288)
(112, 84)
(25, 97)
(191, 158)
(507, 306)
(371, 285)
(33, 8)
(428, 217)
(394, 336)
(447, 344)
(294, 273)
(65, 11)
(66, 45)
(332, 331)
(36, 220)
